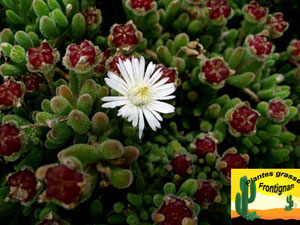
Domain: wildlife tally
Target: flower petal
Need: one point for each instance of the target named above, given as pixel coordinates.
(142, 66)
(155, 77)
(123, 72)
(156, 114)
(149, 72)
(141, 122)
(161, 107)
(164, 93)
(128, 67)
(113, 98)
(160, 83)
(115, 85)
(152, 121)
(116, 78)
(115, 104)
(164, 97)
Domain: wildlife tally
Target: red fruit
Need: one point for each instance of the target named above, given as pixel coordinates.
(23, 185)
(10, 141)
(244, 120)
(167, 72)
(215, 71)
(62, 183)
(38, 55)
(277, 22)
(277, 110)
(182, 165)
(218, 8)
(50, 222)
(261, 45)
(33, 81)
(233, 161)
(124, 35)
(204, 146)
(84, 49)
(174, 210)
(100, 68)
(145, 4)
(296, 48)
(256, 10)
(10, 93)
(206, 193)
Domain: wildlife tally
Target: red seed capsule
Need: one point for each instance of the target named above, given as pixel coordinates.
(10, 94)
(10, 141)
(62, 183)
(145, 4)
(218, 8)
(22, 185)
(182, 164)
(175, 210)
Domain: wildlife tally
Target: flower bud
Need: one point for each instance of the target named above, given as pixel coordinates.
(125, 37)
(175, 210)
(214, 72)
(207, 193)
(23, 186)
(276, 25)
(66, 183)
(42, 59)
(294, 49)
(218, 11)
(255, 13)
(242, 119)
(182, 164)
(82, 58)
(277, 110)
(204, 144)
(141, 7)
(12, 141)
(11, 94)
(258, 47)
(33, 82)
(230, 160)
(93, 18)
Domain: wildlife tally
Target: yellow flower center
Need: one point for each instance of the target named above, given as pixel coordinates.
(140, 95)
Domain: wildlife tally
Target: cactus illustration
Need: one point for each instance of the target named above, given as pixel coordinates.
(290, 202)
(242, 201)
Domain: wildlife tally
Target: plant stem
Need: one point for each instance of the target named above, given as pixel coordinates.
(249, 92)
(62, 73)
(50, 82)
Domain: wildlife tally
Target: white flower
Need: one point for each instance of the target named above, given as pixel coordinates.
(140, 93)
